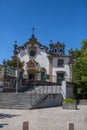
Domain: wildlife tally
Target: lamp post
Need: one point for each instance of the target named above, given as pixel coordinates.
(17, 78)
(4, 64)
(16, 51)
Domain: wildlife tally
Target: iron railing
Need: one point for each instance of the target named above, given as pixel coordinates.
(10, 82)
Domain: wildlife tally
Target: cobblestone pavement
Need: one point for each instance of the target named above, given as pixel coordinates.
(44, 119)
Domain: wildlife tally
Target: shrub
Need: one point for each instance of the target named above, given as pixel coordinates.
(69, 100)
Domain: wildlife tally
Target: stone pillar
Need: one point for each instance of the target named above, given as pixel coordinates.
(50, 68)
(70, 67)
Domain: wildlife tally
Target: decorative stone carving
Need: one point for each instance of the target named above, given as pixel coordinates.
(31, 64)
(57, 49)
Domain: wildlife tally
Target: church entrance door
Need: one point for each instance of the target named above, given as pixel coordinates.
(31, 76)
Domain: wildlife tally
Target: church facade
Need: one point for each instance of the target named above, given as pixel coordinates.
(43, 63)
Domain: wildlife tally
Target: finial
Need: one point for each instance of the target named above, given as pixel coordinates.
(4, 62)
(51, 41)
(33, 29)
(15, 44)
(15, 47)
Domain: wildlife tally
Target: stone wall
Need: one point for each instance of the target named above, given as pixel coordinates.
(67, 90)
(52, 100)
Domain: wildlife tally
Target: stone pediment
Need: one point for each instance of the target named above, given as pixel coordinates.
(32, 41)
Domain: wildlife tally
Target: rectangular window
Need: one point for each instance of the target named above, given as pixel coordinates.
(60, 62)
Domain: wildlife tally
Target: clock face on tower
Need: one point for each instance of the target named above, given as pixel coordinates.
(32, 53)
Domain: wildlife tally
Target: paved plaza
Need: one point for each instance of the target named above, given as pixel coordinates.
(44, 119)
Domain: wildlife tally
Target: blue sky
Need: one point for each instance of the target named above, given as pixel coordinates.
(57, 20)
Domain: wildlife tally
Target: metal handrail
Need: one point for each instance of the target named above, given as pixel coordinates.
(36, 92)
(38, 95)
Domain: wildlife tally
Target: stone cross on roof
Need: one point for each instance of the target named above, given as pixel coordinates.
(33, 29)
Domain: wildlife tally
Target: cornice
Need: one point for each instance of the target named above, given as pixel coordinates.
(56, 56)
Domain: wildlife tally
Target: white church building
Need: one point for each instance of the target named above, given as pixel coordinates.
(43, 63)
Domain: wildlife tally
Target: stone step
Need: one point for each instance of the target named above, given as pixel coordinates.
(15, 100)
(19, 100)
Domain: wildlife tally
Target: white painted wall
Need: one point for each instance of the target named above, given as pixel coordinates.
(67, 90)
(25, 57)
(63, 89)
(65, 69)
(42, 59)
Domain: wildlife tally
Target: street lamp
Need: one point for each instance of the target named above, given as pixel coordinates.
(17, 77)
(16, 51)
(4, 64)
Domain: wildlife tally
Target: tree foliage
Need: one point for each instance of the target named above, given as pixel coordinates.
(80, 70)
(13, 62)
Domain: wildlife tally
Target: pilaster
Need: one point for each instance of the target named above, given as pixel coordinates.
(50, 68)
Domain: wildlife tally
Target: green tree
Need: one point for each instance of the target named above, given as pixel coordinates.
(80, 70)
(13, 62)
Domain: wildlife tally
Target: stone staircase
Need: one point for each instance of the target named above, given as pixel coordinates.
(30, 99)
(15, 101)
